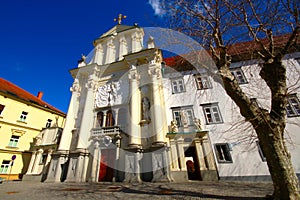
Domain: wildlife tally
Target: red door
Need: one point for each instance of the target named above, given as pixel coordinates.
(107, 165)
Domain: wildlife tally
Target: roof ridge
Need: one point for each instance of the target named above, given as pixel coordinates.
(15, 90)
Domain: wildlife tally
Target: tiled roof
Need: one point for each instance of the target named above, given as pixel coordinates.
(238, 52)
(11, 90)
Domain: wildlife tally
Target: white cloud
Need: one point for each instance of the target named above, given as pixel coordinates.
(157, 7)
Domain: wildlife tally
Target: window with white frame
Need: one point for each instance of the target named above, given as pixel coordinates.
(48, 123)
(223, 153)
(4, 166)
(202, 82)
(212, 113)
(13, 142)
(260, 151)
(1, 108)
(239, 75)
(183, 116)
(23, 116)
(177, 85)
(293, 106)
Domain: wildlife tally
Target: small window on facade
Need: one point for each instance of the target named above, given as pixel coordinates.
(99, 119)
(239, 75)
(23, 116)
(4, 167)
(223, 153)
(202, 82)
(177, 85)
(48, 124)
(1, 108)
(183, 116)
(212, 114)
(13, 142)
(293, 106)
(260, 151)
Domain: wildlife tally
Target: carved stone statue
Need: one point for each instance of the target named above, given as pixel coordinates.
(197, 123)
(184, 118)
(174, 127)
(146, 109)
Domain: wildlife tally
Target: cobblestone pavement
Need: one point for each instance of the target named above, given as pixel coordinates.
(190, 190)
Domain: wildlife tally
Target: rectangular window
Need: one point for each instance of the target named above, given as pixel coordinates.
(4, 166)
(293, 106)
(261, 152)
(177, 85)
(1, 108)
(239, 75)
(48, 124)
(202, 82)
(23, 116)
(212, 114)
(183, 116)
(13, 142)
(223, 153)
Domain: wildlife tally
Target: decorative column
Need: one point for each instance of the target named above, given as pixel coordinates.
(174, 155)
(208, 153)
(37, 161)
(200, 154)
(30, 167)
(181, 153)
(157, 110)
(87, 116)
(66, 137)
(134, 109)
(95, 163)
(104, 118)
(116, 112)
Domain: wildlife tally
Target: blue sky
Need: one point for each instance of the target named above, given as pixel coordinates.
(40, 41)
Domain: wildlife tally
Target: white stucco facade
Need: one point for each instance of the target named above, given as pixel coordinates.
(132, 120)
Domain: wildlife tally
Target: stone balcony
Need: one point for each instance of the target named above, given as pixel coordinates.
(106, 131)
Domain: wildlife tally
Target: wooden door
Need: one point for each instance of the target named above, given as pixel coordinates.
(107, 163)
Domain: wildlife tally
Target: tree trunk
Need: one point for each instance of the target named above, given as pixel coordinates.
(285, 181)
(269, 127)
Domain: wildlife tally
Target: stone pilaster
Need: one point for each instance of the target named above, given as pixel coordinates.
(134, 109)
(95, 163)
(158, 115)
(30, 167)
(35, 167)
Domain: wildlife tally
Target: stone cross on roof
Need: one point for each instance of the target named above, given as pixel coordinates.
(120, 17)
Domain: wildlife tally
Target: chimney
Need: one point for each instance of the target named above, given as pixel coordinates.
(40, 95)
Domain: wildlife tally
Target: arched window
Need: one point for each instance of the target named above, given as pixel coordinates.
(99, 119)
(110, 121)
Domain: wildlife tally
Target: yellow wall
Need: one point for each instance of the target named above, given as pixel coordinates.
(9, 124)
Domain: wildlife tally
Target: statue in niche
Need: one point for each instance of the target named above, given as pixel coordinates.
(184, 118)
(174, 127)
(145, 109)
(198, 124)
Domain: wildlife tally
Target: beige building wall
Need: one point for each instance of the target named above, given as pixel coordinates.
(16, 134)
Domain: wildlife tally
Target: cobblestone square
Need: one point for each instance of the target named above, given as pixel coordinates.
(188, 190)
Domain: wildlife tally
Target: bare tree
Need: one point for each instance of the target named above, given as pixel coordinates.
(218, 24)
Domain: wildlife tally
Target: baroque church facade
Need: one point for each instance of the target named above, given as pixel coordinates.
(130, 120)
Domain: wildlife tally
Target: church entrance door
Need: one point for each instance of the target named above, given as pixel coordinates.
(107, 163)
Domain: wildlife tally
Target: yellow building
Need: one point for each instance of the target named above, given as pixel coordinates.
(22, 117)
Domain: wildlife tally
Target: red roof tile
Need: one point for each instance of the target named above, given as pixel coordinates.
(10, 89)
